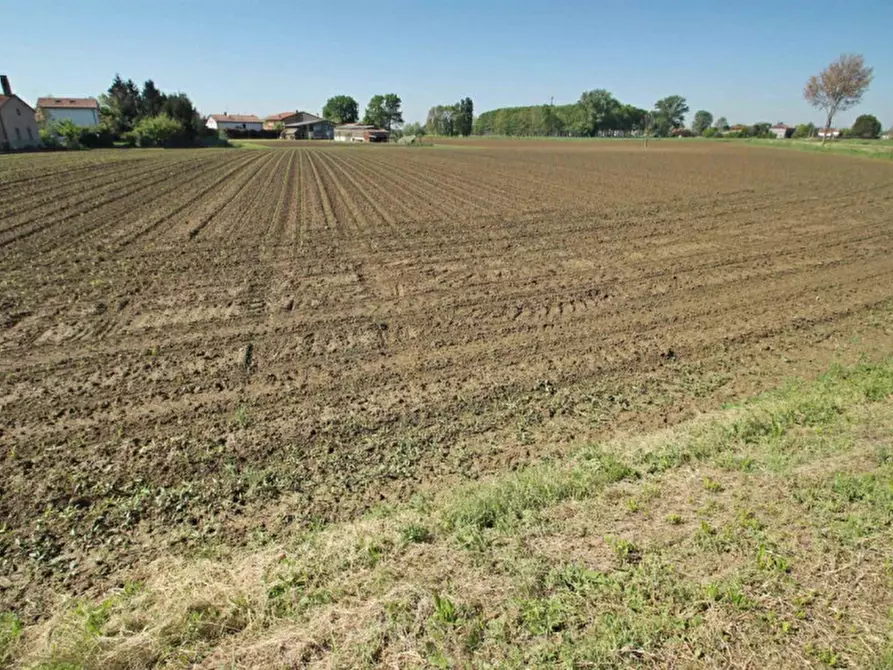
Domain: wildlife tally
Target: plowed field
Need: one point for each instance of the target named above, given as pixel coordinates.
(208, 346)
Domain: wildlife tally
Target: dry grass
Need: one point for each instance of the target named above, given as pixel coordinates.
(760, 536)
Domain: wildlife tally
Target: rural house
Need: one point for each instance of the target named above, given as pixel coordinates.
(234, 122)
(271, 122)
(306, 126)
(82, 112)
(18, 126)
(830, 133)
(782, 131)
(359, 132)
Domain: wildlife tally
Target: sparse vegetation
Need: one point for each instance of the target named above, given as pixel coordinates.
(789, 558)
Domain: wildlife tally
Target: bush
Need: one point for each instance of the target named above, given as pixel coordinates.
(681, 132)
(867, 127)
(159, 131)
(96, 137)
(709, 132)
(804, 130)
(49, 139)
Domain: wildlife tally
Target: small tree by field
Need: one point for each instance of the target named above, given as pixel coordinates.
(838, 87)
(722, 124)
(867, 127)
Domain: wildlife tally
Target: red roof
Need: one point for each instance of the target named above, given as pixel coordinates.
(235, 118)
(280, 116)
(68, 103)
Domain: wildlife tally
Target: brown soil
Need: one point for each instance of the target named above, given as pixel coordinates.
(210, 346)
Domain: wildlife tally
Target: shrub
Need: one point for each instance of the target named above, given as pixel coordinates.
(709, 132)
(49, 139)
(867, 127)
(159, 131)
(805, 130)
(96, 137)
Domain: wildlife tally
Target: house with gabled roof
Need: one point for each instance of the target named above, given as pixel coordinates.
(234, 122)
(18, 126)
(83, 112)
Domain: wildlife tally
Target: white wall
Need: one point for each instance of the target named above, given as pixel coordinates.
(227, 125)
(80, 117)
(17, 120)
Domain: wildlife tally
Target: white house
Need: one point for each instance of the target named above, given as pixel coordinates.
(18, 129)
(83, 112)
(781, 131)
(830, 133)
(234, 122)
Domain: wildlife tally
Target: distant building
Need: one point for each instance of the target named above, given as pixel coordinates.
(18, 125)
(830, 133)
(782, 131)
(82, 112)
(234, 122)
(306, 126)
(359, 132)
(273, 121)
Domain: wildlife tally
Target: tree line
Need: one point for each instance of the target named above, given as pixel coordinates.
(596, 114)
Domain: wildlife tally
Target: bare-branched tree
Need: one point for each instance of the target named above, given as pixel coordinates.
(838, 87)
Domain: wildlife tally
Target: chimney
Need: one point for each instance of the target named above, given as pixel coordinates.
(7, 89)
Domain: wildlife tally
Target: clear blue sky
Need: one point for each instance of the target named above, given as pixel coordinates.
(747, 61)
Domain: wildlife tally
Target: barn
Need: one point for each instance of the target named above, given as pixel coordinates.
(360, 132)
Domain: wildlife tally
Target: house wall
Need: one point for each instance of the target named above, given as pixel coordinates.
(349, 135)
(18, 128)
(322, 131)
(80, 117)
(228, 125)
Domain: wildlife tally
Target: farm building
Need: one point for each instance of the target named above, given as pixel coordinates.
(782, 131)
(83, 112)
(830, 133)
(309, 129)
(286, 118)
(18, 126)
(234, 122)
(359, 132)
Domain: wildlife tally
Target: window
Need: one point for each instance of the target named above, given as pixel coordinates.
(18, 112)
(30, 134)
(19, 134)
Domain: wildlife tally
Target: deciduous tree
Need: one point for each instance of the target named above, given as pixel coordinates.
(867, 127)
(838, 87)
(341, 109)
(669, 113)
(384, 111)
(601, 109)
(703, 120)
(722, 123)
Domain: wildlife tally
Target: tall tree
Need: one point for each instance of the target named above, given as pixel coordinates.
(464, 117)
(601, 110)
(721, 123)
(441, 120)
(703, 120)
(839, 86)
(151, 99)
(384, 111)
(179, 107)
(122, 103)
(669, 113)
(341, 109)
